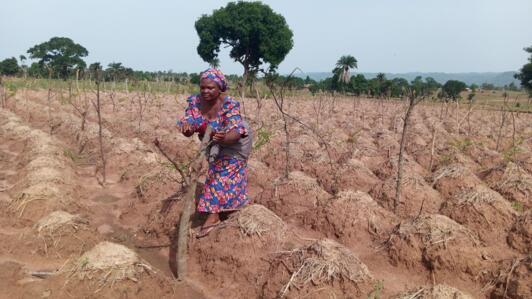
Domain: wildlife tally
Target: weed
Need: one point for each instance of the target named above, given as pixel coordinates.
(462, 145)
(377, 289)
(72, 155)
(446, 159)
(263, 137)
(510, 154)
(518, 206)
(168, 165)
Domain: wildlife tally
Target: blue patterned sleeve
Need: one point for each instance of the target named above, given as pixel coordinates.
(233, 118)
(192, 114)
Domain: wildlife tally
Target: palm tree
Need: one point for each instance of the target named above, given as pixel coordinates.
(344, 64)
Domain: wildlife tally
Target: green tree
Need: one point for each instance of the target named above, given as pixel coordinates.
(525, 73)
(398, 87)
(359, 85)
(256, 34)
(60, 55)
(431, 84)
(94, 68)
(343, 65)
(115, 71)
(9, 66)
(452, 88)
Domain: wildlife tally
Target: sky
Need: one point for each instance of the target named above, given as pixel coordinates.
(392, 36)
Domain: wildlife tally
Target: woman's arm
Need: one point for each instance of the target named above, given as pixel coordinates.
(228, 138)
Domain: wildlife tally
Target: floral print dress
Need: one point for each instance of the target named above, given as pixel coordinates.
(226, 186)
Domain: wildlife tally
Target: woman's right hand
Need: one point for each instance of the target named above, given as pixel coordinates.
(187, 129)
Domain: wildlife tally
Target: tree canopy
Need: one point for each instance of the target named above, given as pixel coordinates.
(343, 65)
(60, 55)
(9, 66)
(256, 34)
(525, 73)
(452, 88)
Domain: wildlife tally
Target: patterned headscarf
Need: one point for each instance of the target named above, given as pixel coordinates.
(217, 76)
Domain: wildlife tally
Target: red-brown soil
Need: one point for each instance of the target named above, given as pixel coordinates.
(462, 227)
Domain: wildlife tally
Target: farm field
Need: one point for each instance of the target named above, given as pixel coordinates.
(462, 228)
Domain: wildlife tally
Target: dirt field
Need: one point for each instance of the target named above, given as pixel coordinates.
(328, 230)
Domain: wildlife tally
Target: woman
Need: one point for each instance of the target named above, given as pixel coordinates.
(226, 186)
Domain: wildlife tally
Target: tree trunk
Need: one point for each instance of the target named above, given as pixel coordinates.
(184, 220)
(411, 105)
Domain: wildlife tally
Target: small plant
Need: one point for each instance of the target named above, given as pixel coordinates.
(510, 154)
(446, 159)
(263, 137)
(168, 165)
(377, 289)
(462, 145)
(70, 154)
(518, 206)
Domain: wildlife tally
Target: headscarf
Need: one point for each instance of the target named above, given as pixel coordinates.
(217, 76)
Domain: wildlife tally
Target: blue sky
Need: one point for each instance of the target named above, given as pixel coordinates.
(384, 35)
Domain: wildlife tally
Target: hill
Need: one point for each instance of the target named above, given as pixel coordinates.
(495, 78)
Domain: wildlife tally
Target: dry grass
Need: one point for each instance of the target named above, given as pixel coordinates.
(323, 262)
(515, 177)
(258, 220)
(108, 263)
(473, 196)
(451, 171)
(434, 229)
(439, 291)
(59, 222)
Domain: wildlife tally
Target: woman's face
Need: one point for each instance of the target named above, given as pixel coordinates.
(209, 90)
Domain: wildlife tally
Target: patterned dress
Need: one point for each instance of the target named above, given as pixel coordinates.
(226, 186)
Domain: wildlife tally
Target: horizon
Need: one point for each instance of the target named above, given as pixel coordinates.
(385, 36)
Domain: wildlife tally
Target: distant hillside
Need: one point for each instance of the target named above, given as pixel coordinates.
(497, 79)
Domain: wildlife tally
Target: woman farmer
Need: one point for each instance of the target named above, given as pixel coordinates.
(226, 186)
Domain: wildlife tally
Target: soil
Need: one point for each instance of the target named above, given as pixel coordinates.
(327, 229)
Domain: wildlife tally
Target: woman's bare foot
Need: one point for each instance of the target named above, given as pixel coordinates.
(212, 221)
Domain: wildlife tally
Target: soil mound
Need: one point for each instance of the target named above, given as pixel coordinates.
(439, 291)
(108, 263)
(322, 263)
(58, 222)
(436, 241)
(236, 255)
(63, 234)
(353, 217)
(416, 195)
(481, 210)
(450, 180)
(258, 220)
(295, 195)
(520, 236)
(45, 179)
(355, 175)
(512, 279)
(512, 181)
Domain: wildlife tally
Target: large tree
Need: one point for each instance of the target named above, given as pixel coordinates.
(9, 66)
(256, 34)
(525, 74)
(452, 88)
(343, 65)
(60, 55)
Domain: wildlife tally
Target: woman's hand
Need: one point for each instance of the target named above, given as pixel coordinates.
(187, 129)
(230, 137)
(219, 137)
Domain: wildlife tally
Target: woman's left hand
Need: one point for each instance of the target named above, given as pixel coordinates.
(219, 137)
